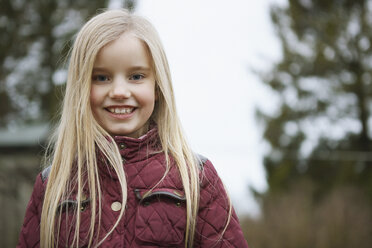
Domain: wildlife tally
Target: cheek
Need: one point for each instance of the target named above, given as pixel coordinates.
(95, 102)
(148, 96)
(151, 100)
(94, 97)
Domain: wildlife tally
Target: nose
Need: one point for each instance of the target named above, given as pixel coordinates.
(120, 89)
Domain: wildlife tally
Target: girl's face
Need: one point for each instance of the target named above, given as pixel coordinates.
(122, 94)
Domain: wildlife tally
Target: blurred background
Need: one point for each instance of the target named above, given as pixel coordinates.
(277, 93)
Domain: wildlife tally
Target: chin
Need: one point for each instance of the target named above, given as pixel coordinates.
(120, 133)
(128, 133)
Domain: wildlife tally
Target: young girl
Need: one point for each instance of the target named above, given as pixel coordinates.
(121, 173)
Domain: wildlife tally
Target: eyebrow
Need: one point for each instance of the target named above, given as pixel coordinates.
(140, 68)
(99, 69)
(134, 68)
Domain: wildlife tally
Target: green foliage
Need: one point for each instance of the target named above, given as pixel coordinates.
(36, 37)
(321, 128)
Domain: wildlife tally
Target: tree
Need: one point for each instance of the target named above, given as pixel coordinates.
(321, 128)
(36, 36)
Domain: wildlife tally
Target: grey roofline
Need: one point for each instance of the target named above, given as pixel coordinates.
(32, 135)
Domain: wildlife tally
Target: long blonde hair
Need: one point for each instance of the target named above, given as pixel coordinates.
(73, 150)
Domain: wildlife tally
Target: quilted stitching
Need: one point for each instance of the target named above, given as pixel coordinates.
(160, 221)
(213, 215)
(30, 231)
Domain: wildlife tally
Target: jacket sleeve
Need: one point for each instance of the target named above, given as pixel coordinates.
(30, 232)
(213, 214)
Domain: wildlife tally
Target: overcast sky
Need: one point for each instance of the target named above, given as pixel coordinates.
(212, 46)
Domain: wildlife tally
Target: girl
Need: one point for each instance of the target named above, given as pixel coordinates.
(122, 174)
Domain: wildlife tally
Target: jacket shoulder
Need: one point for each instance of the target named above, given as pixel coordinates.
(45, 173)
(201, 160)
(217, 224)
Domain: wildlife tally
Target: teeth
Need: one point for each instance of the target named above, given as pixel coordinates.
(120, 110)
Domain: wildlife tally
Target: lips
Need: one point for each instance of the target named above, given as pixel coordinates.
(120, 110)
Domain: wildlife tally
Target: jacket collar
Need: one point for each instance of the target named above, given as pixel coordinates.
(137, 149)
(132, 150)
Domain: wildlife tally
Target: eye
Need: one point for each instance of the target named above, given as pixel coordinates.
(100, 78)
(136, 77)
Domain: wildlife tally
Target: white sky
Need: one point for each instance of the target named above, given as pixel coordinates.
(212, 45)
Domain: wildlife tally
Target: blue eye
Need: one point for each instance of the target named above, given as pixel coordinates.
(100, 78)
(136, 77)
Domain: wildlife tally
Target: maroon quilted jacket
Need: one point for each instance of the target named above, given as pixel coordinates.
(155, 220)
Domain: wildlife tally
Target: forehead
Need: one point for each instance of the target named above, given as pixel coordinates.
(125, 50)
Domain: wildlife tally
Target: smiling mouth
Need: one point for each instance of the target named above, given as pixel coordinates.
(121, 110)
